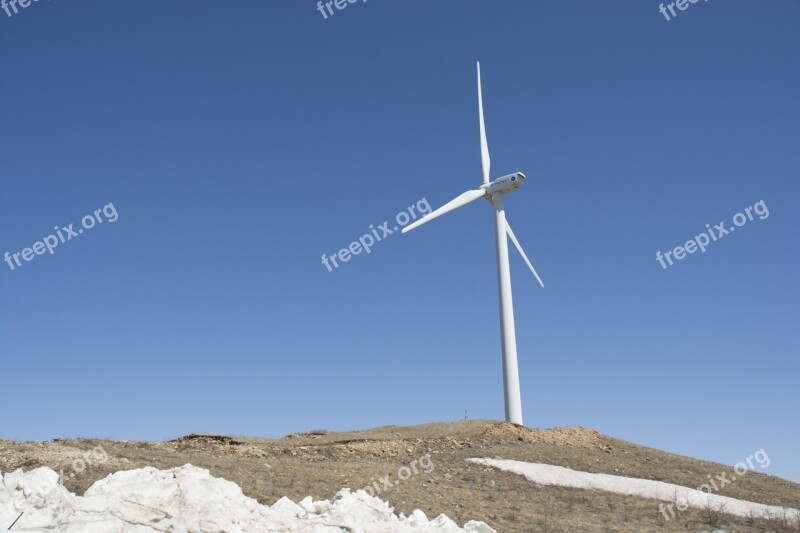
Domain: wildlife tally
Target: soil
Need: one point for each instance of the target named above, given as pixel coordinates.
(427, 470)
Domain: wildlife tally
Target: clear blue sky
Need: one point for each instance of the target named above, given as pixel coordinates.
(239, 141)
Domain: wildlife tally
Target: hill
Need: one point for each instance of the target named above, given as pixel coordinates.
(425, 467)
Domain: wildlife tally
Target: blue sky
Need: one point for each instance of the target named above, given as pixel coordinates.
(240, 141)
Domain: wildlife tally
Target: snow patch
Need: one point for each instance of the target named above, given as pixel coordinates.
(646, 488)
(190, 500)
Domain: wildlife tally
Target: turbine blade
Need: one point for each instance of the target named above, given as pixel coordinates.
(522, 252)
(485, 160)
(461, 200)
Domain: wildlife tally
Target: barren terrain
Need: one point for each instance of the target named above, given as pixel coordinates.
(319, 463)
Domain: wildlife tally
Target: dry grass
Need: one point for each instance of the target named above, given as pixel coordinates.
(319, 463)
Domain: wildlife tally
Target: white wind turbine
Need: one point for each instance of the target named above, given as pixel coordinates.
(494, 191)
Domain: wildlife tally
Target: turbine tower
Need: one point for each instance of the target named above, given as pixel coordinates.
(494, 191)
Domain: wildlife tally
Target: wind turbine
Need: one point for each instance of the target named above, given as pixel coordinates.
(494, 191)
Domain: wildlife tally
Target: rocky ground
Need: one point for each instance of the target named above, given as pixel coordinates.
(426, 469)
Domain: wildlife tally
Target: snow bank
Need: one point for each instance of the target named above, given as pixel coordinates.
(189, 500)
(646, 488)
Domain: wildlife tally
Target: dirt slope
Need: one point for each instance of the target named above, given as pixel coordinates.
(426, 469)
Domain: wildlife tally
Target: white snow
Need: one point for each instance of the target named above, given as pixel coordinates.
(646, 488)
(189, 500)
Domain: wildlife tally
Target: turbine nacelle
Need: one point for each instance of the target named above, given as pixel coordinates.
(505, 184)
